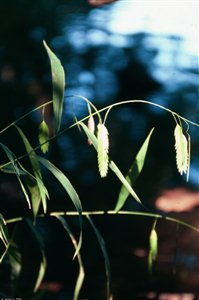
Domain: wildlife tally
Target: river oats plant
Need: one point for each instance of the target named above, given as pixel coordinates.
(36, 194)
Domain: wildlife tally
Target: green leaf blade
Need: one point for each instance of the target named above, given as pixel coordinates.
(43, 262)
(90, 135)
(113, 167)
(64, 181)
(58, 81)
(81, 275)
(9, 169)
(4, 237)
(44, 136)
(3, 231)
(121, 177)
(105, 255)
(134, 172)
(37, 188)
(16, 170)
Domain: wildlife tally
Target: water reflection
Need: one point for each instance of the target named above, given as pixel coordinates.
(167, 47)
(132, 50)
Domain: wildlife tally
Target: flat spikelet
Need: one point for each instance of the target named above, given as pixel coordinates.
(102, 149)
(153, 251)
(182, 153)
(91, 127)
(44, 136)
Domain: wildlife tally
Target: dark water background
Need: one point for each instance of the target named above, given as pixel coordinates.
(106, 62)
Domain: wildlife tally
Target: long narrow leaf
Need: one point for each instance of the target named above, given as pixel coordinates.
(3, 231)
(40, 193)
(105, 255)
(35, 194)
(134, 172)
(12, 159)
(121, 177)
(90, 135)
(31, 153)
(4, 237)
(43, 264)
(64, 181)
(58, 80)
(9, 169)
(81, 275)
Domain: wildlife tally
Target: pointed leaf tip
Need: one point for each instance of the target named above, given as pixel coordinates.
(43, 136)
(133, 172)
(58, 81)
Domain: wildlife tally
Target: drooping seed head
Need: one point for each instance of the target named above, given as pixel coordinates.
(102, 150)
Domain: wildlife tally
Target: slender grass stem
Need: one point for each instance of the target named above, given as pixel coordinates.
(111, 212)
(109, 107)
(24, 116)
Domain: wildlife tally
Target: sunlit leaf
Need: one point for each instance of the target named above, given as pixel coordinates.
(102, 149)
(43, 136)
(41, 272)
(35, 195)
(90, 135)
(4, 237)
(42, 265)
(64, 181)
(58, 81)
(105, 255)
(2, 255)
(134, 172)
(121, 177)
(3, 231)
(37, 188)
(81, 274)
(11, 249)
(12, 159)
(31, 153)
(9, 169)
(181, 147)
